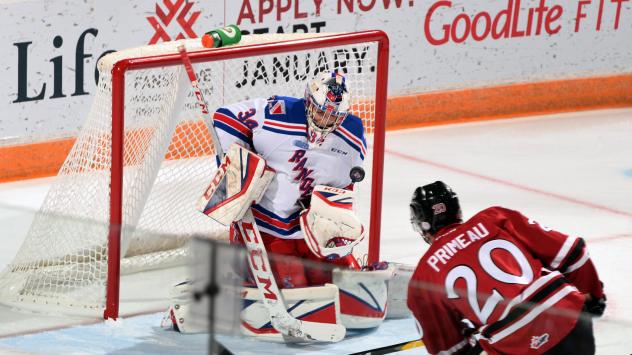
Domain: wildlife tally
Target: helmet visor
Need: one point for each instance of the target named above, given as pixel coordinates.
(415, 221)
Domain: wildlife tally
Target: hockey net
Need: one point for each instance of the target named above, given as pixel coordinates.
(144, 156)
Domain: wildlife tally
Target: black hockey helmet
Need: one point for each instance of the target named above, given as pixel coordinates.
(433, 207)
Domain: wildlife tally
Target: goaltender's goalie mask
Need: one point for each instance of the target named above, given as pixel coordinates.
(327, 104)
(433, 207)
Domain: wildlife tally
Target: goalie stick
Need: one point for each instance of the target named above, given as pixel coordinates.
(395, 348)
(272, 298)
(208, 119)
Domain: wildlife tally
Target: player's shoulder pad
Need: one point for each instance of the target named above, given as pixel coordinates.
(497, 213)
(500, 210)
(354, 125)
(286, 109)
(239, 119)
(352, 131)
(490, 211)
(240, 106)
(248, 113)
(226, 111)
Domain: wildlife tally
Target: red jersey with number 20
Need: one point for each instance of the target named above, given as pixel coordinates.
(519, 283)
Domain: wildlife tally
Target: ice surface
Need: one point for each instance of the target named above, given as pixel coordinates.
(568, 171)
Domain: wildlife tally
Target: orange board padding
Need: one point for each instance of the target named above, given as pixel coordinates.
(41, 159)
(29, 161)
(516, 100)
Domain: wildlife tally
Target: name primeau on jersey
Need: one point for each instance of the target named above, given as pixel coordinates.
(460, 242)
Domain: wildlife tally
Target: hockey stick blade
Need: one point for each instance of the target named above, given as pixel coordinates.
(407, 345)
(322, 331)
(296, 330)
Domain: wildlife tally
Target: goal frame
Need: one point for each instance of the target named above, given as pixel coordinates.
(217, 54)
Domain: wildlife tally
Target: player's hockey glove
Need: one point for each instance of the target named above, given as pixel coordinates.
(475, 350)
(469, 332)
(595, 306)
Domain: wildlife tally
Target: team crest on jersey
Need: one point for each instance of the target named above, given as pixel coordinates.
(538, 341)
(277, 107)
(300, 144)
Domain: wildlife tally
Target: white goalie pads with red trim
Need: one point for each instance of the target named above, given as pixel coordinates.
(330, 226)
(239, 182)
(178, 316)
(316, 304)
(363, 296)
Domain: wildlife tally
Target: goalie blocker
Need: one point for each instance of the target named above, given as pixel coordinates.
(244, 176)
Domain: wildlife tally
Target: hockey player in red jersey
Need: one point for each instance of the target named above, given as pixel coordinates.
(521, 285)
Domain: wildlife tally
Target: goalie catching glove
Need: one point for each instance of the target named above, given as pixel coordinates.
(239, 182)
(330, 227)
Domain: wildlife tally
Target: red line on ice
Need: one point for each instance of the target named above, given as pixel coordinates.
(609, 238)
(510, 184)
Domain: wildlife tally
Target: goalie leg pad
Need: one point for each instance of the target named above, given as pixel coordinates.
(245, 176)
(178, 317)
(316, 304)
(363, 297)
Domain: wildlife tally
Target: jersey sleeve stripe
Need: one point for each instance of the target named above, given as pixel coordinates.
(527, 292)
(574, 255)
(524, 312)
(233, 132)
(232, 122)
(358, 141)
(579, 263)
(351, 144)
(534, 312)
(226, 112)
(563, 252)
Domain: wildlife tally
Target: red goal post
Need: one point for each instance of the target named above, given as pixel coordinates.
(118, 117)
(123, 201)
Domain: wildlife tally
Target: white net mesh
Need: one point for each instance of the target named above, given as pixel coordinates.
(168, 162)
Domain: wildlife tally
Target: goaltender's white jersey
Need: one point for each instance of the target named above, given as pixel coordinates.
(276, 129)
